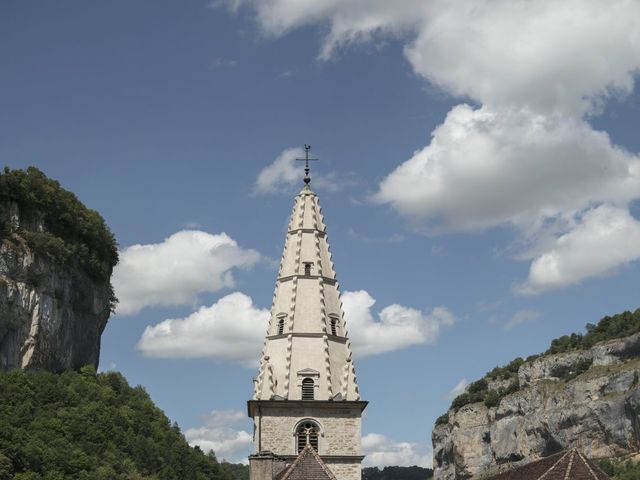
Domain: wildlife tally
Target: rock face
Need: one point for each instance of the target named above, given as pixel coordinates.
(50, 317)
(597, 411)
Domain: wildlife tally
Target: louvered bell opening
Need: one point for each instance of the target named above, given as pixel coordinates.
(334, 327)
(281, 326)
(307, 389)
(312, 431)
(313, 440)
(302, 440)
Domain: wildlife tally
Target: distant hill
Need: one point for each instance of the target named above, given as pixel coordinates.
(396, 473)
(88, 426)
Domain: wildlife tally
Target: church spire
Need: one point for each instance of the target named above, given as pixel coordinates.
(306, 353)
(306, 399)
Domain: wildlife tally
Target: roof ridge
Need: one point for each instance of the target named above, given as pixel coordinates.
(552, 466)
(570, 466)
(588, 465)
(323, 465)
(564, 465)
(305, 451)
(299, 458)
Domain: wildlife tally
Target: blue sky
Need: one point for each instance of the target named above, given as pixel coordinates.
(479, 160)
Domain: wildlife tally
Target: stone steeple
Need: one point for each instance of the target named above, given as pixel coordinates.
(307, 335)
(306, 395)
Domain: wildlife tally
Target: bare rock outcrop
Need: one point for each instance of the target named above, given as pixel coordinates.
(51, 316)
(588, 399)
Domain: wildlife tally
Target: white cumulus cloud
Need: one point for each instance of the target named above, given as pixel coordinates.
(543, 54)
(382, 451)
(230, 329)
(526, 155)
(604, 239)
(484, 168)
(220, 433)
(176, 270)
(395, 328)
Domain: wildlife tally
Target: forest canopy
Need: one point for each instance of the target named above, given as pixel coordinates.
(88, 426)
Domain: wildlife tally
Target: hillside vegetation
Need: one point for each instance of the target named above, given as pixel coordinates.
(608, 328)
(620, 470)
(88, 426)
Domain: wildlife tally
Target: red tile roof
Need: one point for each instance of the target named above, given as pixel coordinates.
(307, 466)
(567, 465)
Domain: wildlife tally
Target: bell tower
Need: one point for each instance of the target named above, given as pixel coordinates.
(306, 396)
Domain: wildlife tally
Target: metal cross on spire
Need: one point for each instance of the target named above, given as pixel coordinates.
(306, 161)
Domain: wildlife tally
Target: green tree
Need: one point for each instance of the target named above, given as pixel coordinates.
(6, 467)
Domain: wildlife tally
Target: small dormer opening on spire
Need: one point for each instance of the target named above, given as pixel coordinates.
(308, 389)
(307, 267)
(334, 326)
(281, 325)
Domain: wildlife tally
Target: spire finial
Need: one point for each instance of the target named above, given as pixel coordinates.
(306, 160)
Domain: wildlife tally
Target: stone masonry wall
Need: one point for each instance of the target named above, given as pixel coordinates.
(340, 429)
(345, 470)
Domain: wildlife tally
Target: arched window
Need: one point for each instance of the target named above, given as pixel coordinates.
(334, 326)
(307, 430)
(307, 268)
(307, 389)
(280, 325)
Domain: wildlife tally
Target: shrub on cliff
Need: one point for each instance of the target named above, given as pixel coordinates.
(508, 371)
(620, 470)
(608, 328)
(79, 425)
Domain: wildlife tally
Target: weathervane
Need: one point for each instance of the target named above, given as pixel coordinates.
(306, 161)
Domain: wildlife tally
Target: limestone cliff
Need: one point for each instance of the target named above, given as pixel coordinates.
(53, 306)
(588, 398)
